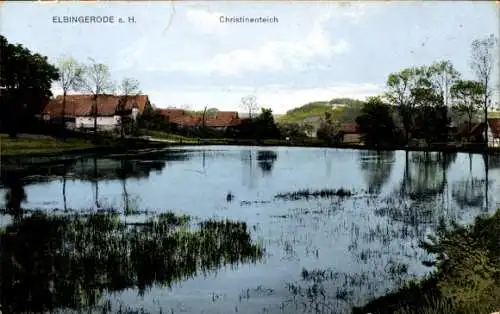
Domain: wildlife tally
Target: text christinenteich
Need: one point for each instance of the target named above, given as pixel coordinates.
(249, 20)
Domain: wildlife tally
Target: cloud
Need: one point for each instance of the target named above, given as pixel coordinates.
(205, 21)
(308, 52)
(278, 98)
(274, 55)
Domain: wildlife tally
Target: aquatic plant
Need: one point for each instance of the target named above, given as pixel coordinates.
(69, 261)
(466, 278)
(306, 194)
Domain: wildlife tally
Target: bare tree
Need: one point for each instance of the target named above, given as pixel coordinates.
(249, 103)
(70, 72)
(482, 63)
(96, 80)
(129, 89)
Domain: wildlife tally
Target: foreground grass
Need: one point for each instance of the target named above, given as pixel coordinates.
(85, 256)
(32, 144)
(467, 275)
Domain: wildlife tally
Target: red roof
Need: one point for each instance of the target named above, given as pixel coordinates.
(220, 119)
(81, 105)
(494, 125)
(172, 113)
(223, 119)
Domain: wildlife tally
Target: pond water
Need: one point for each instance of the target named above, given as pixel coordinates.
(321, 254)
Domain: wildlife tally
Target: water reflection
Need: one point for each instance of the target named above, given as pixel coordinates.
(376, 168)
(425, 174)
(266, 159)
(352, 251)
(15, 193)
(247, 159)
(51, 262)
(92, 169)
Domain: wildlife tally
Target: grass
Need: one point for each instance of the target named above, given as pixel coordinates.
(494, 115)
(466, 279)
(317, 110)
(312, 110)
(32, 144)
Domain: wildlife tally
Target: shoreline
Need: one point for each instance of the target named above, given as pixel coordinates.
(133, 147)
(20, 161)
(266, 143)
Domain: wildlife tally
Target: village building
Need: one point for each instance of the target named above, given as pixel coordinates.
(350, 133)
(478, 131)
(493, 132)
(221, 120)
(78, 111)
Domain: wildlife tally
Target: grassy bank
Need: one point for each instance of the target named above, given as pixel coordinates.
(466, 279)
(25, 145)
(29, 151)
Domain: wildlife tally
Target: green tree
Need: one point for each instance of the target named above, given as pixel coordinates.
(292, 130)
(308, 128)
(442, 75)
(484, 54)
(466, 96)
(329, 130)
(432, 123)
(265, 127)
(376, 122)
(400, 92)
(25, 82)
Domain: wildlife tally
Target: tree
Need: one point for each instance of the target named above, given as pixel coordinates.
(265, 127)
(328, 129)
(432, 123)
(129, 88)
(69, 75)
(292, 129)
(25, 83)
(431, 116)
(482, 63)
(400, 92)
(376, 123)
(442, 75)
(466, 96)
(96, 80)
(249, 103)
(308, 128)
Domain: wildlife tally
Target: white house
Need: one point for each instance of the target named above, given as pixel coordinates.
(78, 110)
(493, 131)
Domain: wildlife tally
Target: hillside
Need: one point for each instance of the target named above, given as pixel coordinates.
(346, 111)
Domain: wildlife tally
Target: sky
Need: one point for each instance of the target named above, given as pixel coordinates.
(185, 57)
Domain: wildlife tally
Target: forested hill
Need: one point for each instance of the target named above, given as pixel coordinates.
(346, 112)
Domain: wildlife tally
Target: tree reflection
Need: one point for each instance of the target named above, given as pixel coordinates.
(15, 193)
(266, 159)
(425, 174)
(67, 262)
(376, 168)
(468, 192)
(248, 168)
(424, 181)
